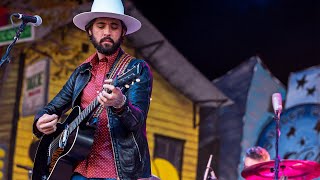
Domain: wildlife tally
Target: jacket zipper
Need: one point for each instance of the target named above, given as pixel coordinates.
(134, 139)
(114, 157)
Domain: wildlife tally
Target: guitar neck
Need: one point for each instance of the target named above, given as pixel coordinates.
(83, 115)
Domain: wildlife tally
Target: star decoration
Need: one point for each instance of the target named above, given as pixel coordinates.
(310, 91)
(317, 127)
(302, 142)
(291, 132)
(301, 82)
(289, 154)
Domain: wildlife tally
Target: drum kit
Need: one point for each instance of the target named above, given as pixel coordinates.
(281, 169)
(289, 169)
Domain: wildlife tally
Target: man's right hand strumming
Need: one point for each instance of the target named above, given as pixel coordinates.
(47, 124)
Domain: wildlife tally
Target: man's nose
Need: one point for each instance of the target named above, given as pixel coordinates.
(106, 32)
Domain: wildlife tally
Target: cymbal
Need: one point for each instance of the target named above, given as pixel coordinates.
(292, 169)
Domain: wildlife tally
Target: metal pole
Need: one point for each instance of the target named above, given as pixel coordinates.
(6, 57)
(277, 160)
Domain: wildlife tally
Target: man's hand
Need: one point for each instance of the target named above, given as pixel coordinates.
(114, 98)
(47, 124)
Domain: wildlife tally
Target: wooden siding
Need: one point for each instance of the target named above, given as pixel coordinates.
(171, 114)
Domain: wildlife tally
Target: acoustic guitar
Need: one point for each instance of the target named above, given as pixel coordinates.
(58, 152)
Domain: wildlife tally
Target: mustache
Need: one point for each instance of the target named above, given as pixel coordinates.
(105, 39)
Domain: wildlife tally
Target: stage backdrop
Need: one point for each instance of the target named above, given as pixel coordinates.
(300, 120)
(250, 86)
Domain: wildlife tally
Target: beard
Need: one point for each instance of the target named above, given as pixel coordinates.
(106, 49)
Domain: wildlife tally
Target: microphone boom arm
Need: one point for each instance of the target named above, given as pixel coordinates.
(6, 56)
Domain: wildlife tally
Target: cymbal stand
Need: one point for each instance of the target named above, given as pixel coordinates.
(277, 159)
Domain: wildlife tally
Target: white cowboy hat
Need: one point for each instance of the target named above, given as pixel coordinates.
(107, 8)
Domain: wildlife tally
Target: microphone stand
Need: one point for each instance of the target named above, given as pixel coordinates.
(6, 57)
(277, 160)
(212, 175)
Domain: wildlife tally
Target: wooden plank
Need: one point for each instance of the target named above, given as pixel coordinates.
(171, 119)
(25, 127)
(22, 144)
(6, 108)
(4, 134)
(169, 98)
(155, 129)
(22, 160)
(184, 111)
(188, 133)
(8, 101)
(4, 125)
(9, 87)
(24, 137)
(182, 118)
(5, 137)
(12, 81)
(173, 133)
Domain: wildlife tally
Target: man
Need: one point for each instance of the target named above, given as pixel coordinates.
(255, 155)
(120, 148)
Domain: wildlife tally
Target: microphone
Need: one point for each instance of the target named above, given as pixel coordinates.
(277, 103)
(35, 20)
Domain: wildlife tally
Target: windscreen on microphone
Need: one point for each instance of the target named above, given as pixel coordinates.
(277, 103)
(34, 20)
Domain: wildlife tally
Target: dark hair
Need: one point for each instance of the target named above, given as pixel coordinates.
(89, 25)
(257, 153)
(124, 27)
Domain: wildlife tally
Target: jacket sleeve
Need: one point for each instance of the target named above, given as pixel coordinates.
(59, 104)
(137, 104)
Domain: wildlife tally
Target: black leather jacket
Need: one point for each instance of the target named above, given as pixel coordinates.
(128, 129)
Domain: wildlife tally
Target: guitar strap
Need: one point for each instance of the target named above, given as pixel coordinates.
(118, 69)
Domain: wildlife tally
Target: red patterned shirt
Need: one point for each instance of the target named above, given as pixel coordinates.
(100, 161)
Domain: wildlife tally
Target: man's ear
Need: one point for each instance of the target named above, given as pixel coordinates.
(90, 32)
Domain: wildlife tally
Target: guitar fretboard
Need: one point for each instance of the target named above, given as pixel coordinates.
(83, 115)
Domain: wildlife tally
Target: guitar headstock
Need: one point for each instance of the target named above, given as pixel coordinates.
(128, 78)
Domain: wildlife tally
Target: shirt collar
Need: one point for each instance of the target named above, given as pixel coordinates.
(93, 59)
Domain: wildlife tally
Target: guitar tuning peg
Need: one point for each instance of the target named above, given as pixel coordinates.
(138, 80)
(126, 86)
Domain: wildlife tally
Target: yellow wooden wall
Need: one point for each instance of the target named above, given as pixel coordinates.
(170, 114)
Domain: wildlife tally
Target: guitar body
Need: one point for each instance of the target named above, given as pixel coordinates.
(53, 162)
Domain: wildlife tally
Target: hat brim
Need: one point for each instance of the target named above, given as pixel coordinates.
(82, 19)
